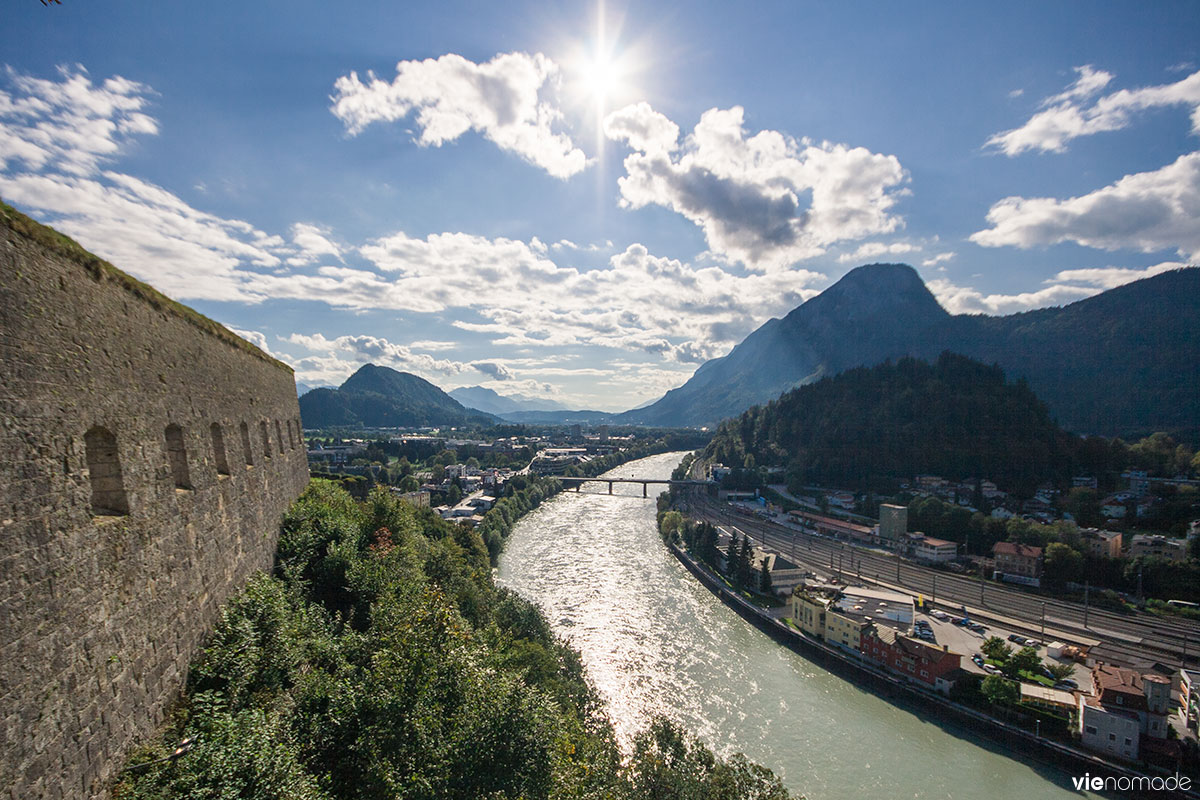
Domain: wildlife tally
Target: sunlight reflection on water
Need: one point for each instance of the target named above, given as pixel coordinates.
(657, 642)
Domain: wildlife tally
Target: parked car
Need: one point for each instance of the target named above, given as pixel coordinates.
(1067, 685)
(978, 659)
(991, 670)
(1016, 638)
(975, 626)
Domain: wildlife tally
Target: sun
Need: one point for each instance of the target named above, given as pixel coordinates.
(601, 76)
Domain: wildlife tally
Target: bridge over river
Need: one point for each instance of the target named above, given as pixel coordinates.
(569, 480)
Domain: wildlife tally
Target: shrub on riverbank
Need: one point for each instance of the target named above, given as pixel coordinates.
(381, 661)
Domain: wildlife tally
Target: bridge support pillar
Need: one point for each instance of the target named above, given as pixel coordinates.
(644, 485)
(610, 487)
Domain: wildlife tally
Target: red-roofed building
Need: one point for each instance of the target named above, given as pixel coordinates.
(1127, 715)
(907, 656)
(1018, 563)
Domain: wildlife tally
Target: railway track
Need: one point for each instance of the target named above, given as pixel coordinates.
(1136, 639)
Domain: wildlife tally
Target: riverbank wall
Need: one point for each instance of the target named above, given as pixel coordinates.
(845, 665)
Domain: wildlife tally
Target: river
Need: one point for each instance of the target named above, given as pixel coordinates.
(655, 641)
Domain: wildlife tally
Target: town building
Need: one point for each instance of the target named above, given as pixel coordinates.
(1127, 715)
(1113, 508)
(1144, 544)
(839, 616)
(1018, 563)
(916, 660)
(934, 551)
(833, 527)
(893, 523)
(1189, 699)
(1102, 543)
(417, 498)
(785, 576)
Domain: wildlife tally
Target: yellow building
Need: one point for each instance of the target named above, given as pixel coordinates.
(808, 611)
(844, 629)
(815, 610)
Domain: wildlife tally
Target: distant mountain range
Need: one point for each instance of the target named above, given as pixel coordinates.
(1125, 362)
(491, 402)
(381, 397)
(303, 388)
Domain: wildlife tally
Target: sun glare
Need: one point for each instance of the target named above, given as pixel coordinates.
(601, 76)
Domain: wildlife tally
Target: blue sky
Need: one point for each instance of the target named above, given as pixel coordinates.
(586, 201)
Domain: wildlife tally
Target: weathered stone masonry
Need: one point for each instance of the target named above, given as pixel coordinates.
(146, 455)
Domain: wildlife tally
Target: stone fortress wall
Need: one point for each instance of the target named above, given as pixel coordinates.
(146, 456)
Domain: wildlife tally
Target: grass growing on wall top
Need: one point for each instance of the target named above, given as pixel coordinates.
(100, 269)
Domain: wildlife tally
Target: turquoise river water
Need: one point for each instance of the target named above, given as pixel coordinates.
(657, 642)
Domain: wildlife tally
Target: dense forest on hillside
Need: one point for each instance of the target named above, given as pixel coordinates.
(871, 426)
(380, 660)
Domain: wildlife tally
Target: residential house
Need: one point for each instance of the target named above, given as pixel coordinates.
(1099, 542)
(1113, 507)
(1018, 563)
(1144, 544)
(1126, 715)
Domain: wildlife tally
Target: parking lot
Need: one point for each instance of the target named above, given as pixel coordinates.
(965, 640)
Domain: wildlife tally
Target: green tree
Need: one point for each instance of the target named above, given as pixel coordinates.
(409, 483)
(731, 557)
(996, 649)
(670, 526)
(1083, 503)
(1000, 690)
(744, 564)
(764, 579)
(1061, 671)
(1024, 660)
(1062, 564)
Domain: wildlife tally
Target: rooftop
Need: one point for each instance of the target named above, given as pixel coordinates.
(1013, 549)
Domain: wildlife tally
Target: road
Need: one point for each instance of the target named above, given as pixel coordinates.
(1134, 639)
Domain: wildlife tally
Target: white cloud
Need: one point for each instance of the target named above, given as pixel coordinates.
(494, 370)
(56, 140)
(256, 338)
(1148, 211)
(501, 99)
(1089, 82)
(870, 250)
(766, 200)
(642, 128)
(1112, 277)
(1067, 115)
(659, 308)
(340, 356)
(965, 300)
(70, 125)
(940, 258)
(313, 242)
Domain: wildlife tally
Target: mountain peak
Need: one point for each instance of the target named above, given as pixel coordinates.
(874, 288)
